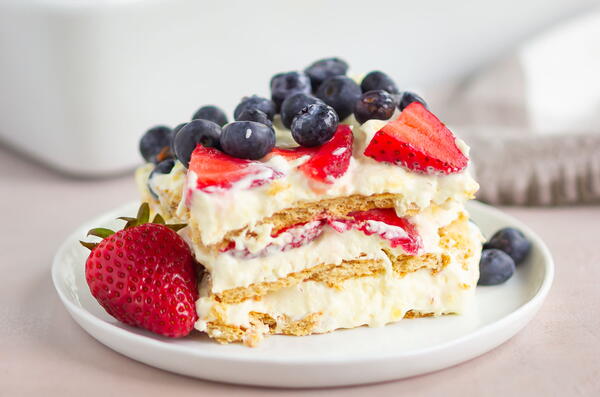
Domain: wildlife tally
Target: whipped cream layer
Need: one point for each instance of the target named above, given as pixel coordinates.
(218, 213)
(173, 182)
(373, 301)
(228, 270)
(167, 188)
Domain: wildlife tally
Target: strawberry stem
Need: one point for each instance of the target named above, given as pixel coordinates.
(143, 217)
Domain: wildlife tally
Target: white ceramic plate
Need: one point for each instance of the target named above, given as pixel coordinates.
(345, 357)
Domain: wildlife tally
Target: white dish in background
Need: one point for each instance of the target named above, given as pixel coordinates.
(81, 80)
(345, 357)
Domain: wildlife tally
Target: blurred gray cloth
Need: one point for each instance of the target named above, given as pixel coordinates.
(533, 119)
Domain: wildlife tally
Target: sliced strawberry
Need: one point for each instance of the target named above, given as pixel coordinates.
(386, 224)
(331, 160)
(216, 170)
(383, 222)
(418, 141)
(328, 161)
(297, 235)
(292, 154)
(290, 227)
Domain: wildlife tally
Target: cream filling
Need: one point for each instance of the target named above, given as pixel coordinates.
(387, 232)
(373, 301)
(428, 221)
(166, 186)
(142, 174)
(174, 181)
(227, 271)
(264, 243)
(331, 247)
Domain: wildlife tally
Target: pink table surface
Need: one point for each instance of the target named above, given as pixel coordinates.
(44, 353)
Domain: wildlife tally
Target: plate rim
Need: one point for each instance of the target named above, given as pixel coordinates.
(533, 304)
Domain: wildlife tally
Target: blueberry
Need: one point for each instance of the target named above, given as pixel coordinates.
(164, 167)
(495, 267)
(156, 143)
(293, 104)
(255, 102)
(255, 115)
(204, 132)
(323, 69)
(511, 241)
(378, 105)
(314, 125)
(377, 80)
(247, 139)
(407, 97)
(177, 128)
(211, 113)
(341, 93)
(286, 84)
(175, 131)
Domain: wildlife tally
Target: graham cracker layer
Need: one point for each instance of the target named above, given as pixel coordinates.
(326, 273)
(226, 333)
(336, 207)
(451, 237)
(334, 275)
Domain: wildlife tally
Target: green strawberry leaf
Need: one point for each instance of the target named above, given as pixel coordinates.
(87, 245)
(100, 232)
(176, 226)
(127, 218)
(143, 215)
(158, 219)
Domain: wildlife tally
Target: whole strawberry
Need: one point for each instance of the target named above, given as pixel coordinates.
(144, 275)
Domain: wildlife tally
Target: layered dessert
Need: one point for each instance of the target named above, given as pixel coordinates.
(337, 203)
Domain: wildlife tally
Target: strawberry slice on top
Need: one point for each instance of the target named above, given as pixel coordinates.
(419, 141)
(332, 159)
(217, 171)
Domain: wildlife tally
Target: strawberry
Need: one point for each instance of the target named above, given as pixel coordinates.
(418, 141)
(297, 235)
(292, 154)
(144, 275)
(385, 223)
(216, 170)
(328, 161)
(331, 160)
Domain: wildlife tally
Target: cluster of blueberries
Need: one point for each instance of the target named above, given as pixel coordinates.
(507, 248)
(311, 104)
